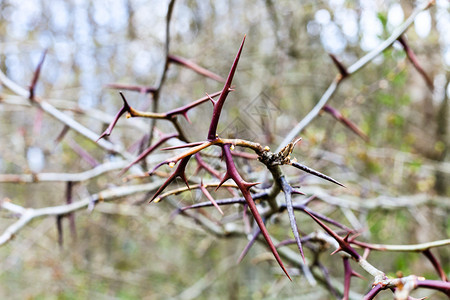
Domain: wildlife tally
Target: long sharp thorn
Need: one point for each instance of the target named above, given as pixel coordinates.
(179, 172)
(182, 146)
(125, 108)
(147, 151)
(225, 178)
(36, 75)
(264, 231)
(249, 245)
(211, 99)
(315, 173)
(342, 69)
(186, 117)
(210, 198)
(234, 174)
(288, 196)
(226, 89)
(343, 243)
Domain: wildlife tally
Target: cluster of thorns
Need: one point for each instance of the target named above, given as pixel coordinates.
(272, 162)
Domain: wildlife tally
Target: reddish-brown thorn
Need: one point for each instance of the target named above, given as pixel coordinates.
(244, 187)
(125, 108)
(173, 160)
(297, 192)
(367, 245)
(348, 274)
(373, 292)
(413, 59)
(211, 99)
(245, 155)
(437, 266)
(196, 68)
(222, 181)
(302, 207)
(82, 153)
(356, 274)
(249, 244)
(342, 69)
(139, 143)
(182, 146)
(354, 236)
(157, 166)
(149, 150)
(339, 249)
(179, 172)
(186, 117)
(201, 164)
(352, 126)
(36, 75)
(347, 278)
(220, 102)
(343, 243)
(442, 286)
(219, 202)
(229, 201)
(315, 173)
(135, 88)
(183, 110)
(309, 199)
(210, 198)
(62, 134)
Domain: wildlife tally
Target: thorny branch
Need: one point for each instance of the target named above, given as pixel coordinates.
(263, 202)
(358, 65)
(57, 114)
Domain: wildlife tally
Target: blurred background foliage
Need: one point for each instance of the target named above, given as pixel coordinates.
(124, 251)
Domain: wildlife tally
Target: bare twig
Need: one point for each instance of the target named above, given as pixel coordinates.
(29, 214)
(64, 177)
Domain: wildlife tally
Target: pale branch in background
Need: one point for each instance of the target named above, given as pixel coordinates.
(26, 215)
